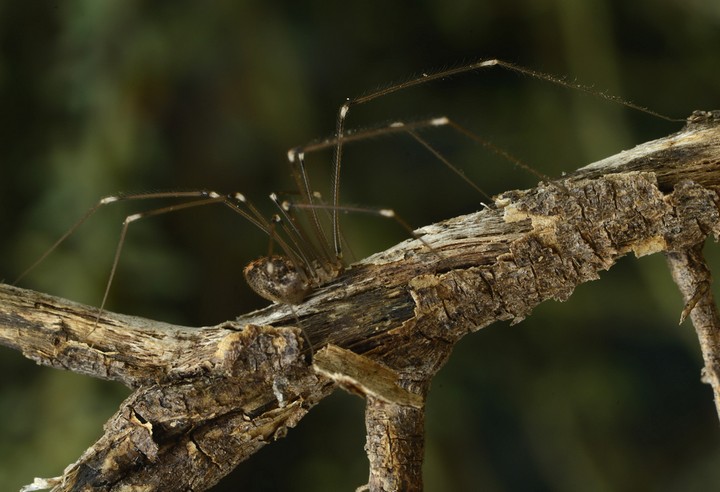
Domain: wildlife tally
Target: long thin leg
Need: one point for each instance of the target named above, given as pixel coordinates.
(299, 238)
(425, 78)
(297, 162)
(296, 157)
(410, 128)
(380, 212)
(202, 197)
(101, 203)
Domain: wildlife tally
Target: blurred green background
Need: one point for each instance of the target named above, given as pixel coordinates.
(601, 393)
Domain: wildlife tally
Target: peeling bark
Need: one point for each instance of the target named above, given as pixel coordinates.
(207, 398)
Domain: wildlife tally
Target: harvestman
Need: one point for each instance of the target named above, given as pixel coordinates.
(306, 265)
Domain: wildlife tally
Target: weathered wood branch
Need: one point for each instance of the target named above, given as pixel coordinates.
(207, 398)
(692, 276)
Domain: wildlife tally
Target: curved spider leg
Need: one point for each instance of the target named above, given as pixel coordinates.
(235, 202)
(425, 78)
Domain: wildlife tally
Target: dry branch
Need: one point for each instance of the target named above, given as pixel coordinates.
(207, 398)
(692, 276)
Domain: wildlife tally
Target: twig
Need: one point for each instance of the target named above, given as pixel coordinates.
(692, 276)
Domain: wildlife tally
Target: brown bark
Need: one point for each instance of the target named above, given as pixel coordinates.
(692, 276)
(207, 398)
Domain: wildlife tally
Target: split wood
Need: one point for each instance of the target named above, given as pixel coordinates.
(207, 398)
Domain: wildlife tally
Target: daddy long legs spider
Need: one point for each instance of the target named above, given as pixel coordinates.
(311, 256)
